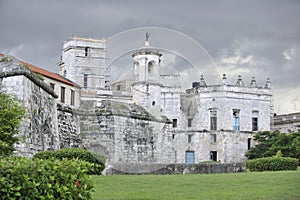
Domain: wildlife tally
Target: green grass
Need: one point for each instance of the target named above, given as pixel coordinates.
(250, 185)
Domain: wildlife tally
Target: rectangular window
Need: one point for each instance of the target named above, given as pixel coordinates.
(236, 120)
(85, 80)
(190, 138)
(190, 120)
(174, 123)
(213, 155)
(190, 157)
(52, 86)
(213, 120)
(213, 138)
(254, 120)
(254, 124)
(72, 98)
(62, 94)
(249, 143)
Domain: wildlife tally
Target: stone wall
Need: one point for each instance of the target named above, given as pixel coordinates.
(68, 127)
(287, 123)
(38, 130)
(205, 168)
(125, 133)
(230, 146)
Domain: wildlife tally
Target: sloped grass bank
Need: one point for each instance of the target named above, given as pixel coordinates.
(249, 185)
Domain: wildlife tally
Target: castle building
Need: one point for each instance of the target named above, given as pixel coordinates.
(147, 118)
(287, 123)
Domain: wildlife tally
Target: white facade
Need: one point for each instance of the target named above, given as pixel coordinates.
(210, 122)
(146, 87)
(218, 122)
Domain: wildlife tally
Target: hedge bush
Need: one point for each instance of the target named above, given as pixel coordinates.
(23, 178)
(272, 164)
(76, 153)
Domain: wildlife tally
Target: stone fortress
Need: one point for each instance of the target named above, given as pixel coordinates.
(147, 119)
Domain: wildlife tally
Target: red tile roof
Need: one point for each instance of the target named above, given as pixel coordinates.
(48, 74)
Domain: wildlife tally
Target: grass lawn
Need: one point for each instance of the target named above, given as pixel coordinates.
(250, 185)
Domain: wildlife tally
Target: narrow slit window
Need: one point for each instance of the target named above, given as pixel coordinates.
(249, 143)
(62, 94)
(213, 120)
(87, 51)
(72, 97)
(190, 121)
(85, 80)
(254, 120)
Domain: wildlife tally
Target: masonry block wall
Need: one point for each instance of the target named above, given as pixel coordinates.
(68, 127)
(125, 133)
(39, 127)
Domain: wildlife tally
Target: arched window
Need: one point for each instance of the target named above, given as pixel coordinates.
(151, 67)
(136, 68)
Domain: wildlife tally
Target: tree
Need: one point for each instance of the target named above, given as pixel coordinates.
(11, 113)
(269, 143)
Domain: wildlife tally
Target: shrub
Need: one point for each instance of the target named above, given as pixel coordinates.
(11, 113)
(272, 164)
(23, 178)
(96, 160)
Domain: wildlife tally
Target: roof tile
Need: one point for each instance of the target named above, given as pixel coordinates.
(48, 74)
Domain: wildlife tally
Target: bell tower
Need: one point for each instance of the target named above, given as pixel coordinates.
(83, 61)
(146, 85)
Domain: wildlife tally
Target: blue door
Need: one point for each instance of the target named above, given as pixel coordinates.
(190, 157)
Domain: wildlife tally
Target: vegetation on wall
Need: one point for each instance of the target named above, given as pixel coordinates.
(11, 113)
(4, 59)
(97, 161)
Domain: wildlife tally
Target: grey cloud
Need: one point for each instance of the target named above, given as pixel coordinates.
(34, 30)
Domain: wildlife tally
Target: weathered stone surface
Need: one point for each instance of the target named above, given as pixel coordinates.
(68, 127)
(142, 168)
(152, 122)
(125, 133)
(39, 127)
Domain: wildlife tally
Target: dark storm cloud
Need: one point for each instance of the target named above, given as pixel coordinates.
(258, 37)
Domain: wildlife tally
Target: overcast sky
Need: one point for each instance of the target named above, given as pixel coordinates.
(258, 38)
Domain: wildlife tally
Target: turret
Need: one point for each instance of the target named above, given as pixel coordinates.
(147, 84)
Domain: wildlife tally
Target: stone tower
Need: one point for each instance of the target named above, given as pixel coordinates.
(146, 85)
(83, 61)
